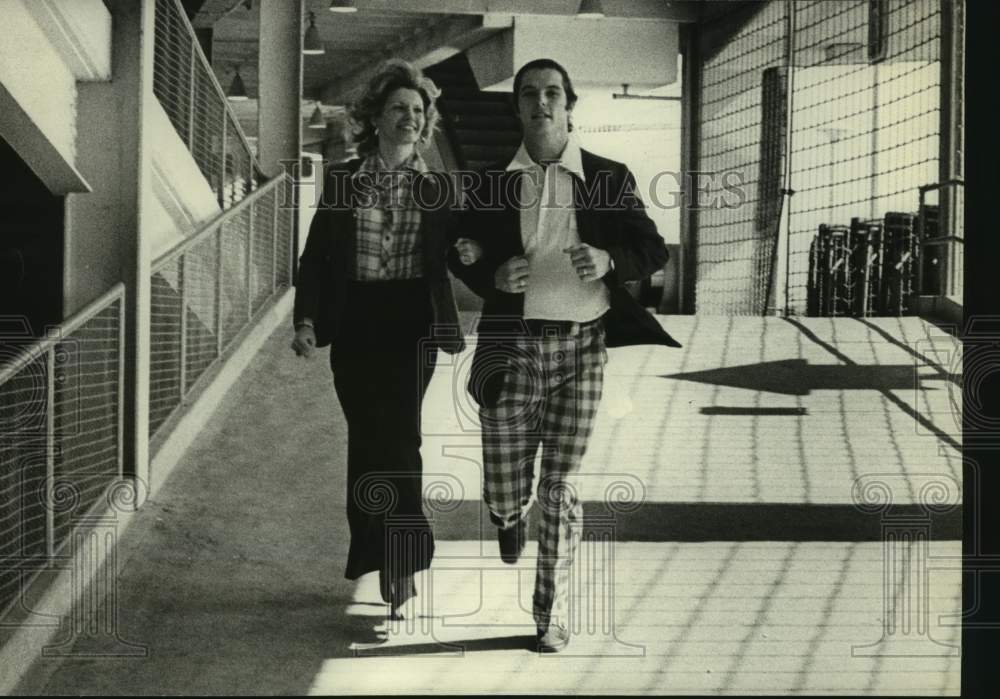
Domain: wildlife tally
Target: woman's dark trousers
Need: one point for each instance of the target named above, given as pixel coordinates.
(381, 368)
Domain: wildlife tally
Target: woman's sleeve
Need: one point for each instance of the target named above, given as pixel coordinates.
(478, 276)
(307, 288)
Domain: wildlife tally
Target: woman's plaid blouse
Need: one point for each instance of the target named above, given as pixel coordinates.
(388, 221)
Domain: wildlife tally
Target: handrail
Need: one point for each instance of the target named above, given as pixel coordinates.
(941, 185)
(58, 333)
(942, 240)
(207, 290)
(210, 227)
(196, 45)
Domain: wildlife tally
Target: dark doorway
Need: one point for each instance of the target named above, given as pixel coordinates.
(31, 249)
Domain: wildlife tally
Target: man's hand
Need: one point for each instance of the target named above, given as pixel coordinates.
(305, 341)
(589, 262)
(512, 275)
(469, 251)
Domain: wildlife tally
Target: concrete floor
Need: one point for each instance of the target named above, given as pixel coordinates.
(740, 562)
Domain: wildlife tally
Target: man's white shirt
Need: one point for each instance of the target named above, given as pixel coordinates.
(548, 226)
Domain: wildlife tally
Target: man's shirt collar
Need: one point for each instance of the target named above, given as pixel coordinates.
(570, 160)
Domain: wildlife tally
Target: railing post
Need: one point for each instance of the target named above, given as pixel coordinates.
(121, 386)
(921, 249)
(219, 341)
(50, 452)
(274, 242)
(248, 272)
(191, 90)
(182, 278)
(292, 252)
(787, 189)
(222, 169)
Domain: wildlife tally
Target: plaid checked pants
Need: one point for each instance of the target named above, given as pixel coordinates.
(549, 397)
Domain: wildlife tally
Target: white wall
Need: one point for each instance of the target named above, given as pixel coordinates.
(28, 62)
(643, 134)
(181, 201)
(79, 30)
(640, 52)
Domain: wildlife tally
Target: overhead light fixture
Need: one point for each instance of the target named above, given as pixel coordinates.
(316, 121)
(590, 9)
(344, 6)
(312, 45)
(237, 91)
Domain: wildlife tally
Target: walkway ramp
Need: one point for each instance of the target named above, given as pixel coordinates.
(784, 518)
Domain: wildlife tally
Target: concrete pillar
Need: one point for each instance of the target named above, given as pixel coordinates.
(952, 141)
(132, 88)
(280, 84)
(690, 147)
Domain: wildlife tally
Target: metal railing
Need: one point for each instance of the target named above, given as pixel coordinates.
(942, 247)
(207, 290)
(61, 448)
(186, 86)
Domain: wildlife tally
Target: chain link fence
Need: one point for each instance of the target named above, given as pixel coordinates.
(842, 97)
(60, 436)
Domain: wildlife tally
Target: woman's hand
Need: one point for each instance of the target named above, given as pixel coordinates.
(305, 341)
(512, 275)
(469, 251)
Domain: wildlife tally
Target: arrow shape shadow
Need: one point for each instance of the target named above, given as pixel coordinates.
(796, 377)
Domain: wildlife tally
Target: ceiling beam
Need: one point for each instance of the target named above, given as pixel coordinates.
(223, 50)
(433, 45)
(673, 10)
(212, 11)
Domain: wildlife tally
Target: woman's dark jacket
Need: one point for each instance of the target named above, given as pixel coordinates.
(325, 267)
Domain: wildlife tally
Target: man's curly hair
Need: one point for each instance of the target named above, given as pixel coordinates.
(390, 75)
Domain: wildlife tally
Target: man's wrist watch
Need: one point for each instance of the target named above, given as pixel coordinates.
(304, 324)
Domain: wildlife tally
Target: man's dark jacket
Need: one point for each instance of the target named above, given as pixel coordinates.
(322, 289)
(609, 216)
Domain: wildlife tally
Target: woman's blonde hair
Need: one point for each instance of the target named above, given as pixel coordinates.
(390, 75)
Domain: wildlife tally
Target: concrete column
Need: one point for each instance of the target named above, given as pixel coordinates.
(690, 141)
(132, 85)
(952, 141)
(280, 84)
